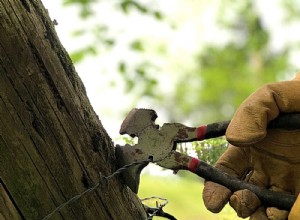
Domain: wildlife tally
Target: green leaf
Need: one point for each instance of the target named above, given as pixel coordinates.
(140, 72)
(126, 5)
(158, 15)
(77, 56)
(109, 42)
(122, 68)
(80, 54)
(137, 45)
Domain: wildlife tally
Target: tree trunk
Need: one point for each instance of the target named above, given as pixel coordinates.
(52, 144)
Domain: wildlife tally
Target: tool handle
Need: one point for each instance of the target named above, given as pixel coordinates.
(268, 198)
(288, 121)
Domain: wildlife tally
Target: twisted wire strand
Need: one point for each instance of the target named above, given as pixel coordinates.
(102, 178)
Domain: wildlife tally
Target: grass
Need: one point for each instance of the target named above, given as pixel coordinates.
(184, 195)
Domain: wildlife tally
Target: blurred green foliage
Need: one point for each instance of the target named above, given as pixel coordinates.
(85, 6)
(207, 150)
(226, 73)
(210, 150)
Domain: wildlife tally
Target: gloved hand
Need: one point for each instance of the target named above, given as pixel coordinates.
(295, 212)
(267, 158)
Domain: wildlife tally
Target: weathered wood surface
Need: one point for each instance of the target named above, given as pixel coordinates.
(8, 208)
(52, 144)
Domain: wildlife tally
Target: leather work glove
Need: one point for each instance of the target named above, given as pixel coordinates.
(267, 158)
(295, 212)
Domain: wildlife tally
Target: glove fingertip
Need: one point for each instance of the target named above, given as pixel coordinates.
(274, 213)
(259, 214)
(244, 202)
(215, 196)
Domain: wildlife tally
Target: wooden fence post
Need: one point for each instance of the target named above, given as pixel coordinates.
(52, 144)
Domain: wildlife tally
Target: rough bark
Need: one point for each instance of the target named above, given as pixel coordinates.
(52, 144)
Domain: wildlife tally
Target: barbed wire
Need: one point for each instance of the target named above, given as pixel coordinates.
(102, 179)
(158, 207)
(158, 210)
(157, 197)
